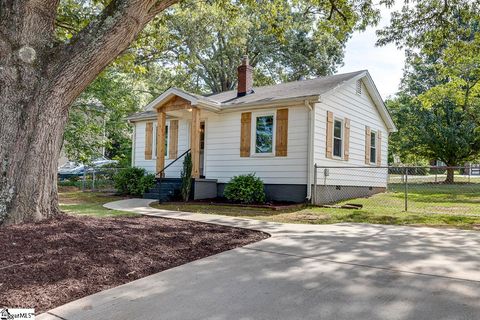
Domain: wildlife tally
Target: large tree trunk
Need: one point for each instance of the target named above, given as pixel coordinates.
(31, 137)
(31, 121)
(39, 79)
(450, 176)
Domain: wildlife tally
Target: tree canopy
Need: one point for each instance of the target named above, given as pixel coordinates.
(197, 46)
(438, 107)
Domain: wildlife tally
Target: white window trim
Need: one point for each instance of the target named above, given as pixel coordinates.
(374, 160)
(253, 135)
(154, 140)
(342, 135)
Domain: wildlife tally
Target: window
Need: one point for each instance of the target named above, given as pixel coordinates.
(338, 138)
(263, 135)
(154, 147)
(373, 147)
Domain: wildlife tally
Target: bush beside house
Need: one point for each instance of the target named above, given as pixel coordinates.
(246, 189)
(133, 181)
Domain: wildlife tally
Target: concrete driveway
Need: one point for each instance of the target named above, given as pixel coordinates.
(343, 271)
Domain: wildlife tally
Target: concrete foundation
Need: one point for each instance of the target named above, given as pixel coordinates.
(332, 194)
(204, 189)
(278, 192)
(209, 189)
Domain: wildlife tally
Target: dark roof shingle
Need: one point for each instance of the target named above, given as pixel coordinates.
(287, 90)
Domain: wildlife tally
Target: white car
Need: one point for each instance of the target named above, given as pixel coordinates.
(74, 169)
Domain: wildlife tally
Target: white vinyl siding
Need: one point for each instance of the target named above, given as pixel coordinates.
(223, 145)
(150, 165)
(360, 109)
(222, 142)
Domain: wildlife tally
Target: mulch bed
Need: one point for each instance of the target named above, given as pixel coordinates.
(47, 264)
(277, 205)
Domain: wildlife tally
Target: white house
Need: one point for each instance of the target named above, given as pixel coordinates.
(278, 132)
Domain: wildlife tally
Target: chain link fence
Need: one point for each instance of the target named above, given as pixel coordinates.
(98, 179)
(443, 190)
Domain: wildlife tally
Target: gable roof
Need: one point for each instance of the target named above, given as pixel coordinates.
(288, 90)
(297, 90)
(195, 99)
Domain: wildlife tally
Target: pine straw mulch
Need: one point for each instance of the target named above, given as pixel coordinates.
(47, 264)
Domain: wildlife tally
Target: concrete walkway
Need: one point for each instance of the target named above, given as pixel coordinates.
(343, 271)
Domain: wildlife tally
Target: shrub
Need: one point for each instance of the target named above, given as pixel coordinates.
(133, 181)
(245, 189)
(146, 183)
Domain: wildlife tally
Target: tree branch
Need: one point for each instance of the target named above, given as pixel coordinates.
(77, 63)
(160, 6)
(65, 26)
(334, 8)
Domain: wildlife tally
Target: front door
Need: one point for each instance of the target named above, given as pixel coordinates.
(202, 149)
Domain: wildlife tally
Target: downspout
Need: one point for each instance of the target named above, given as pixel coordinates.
(134, 138)
(310, 149)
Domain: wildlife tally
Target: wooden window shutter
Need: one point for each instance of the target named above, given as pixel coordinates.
(148, 140)
(281, 143)
(346, 138)
(329, 135)
(245, 134)
(173, 140)
(379, 148)
(368, 132)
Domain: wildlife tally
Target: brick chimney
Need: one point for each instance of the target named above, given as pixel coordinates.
(245, 78)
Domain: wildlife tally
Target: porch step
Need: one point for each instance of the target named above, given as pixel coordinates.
(165, 189)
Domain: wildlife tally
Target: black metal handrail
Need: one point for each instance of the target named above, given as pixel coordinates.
(159, 173)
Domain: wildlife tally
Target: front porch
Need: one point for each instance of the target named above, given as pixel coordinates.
(180, 119)
(176, 108)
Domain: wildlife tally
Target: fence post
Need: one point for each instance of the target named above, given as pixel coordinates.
(314, 192)
(406, 189)
(93, 179)
(84, 178)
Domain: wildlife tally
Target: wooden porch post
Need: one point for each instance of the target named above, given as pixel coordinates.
(161, 123)
(195, 142)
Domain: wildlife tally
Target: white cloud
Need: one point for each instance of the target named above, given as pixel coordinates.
(385, 64)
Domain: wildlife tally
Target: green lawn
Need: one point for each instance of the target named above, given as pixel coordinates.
(430, 205)
(89, 203)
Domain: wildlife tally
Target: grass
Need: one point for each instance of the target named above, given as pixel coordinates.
(89, 204)
(430, 205)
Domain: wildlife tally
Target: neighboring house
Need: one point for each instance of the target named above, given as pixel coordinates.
(278, 132)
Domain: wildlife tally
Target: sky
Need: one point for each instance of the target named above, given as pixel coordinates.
(385, 64)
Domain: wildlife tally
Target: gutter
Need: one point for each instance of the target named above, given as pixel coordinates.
(270, 103)
(278, 103)
(134, 139)
(310, 148)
